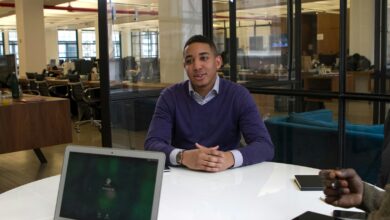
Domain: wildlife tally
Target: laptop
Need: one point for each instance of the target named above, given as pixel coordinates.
(109, 184)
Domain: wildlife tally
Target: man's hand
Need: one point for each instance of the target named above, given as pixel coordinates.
(207, 159)
(343, 188)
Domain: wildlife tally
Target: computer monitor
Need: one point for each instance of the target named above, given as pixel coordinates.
(327, 59)
(279, 40)
(83, 67)
(7, 67)
(31, 75)
(53, 63)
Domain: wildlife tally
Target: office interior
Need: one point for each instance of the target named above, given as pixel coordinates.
(312, 67)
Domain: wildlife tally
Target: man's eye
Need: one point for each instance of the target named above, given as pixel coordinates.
(188, 61)
(204, 58)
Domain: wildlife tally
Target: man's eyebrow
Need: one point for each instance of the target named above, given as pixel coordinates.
(200, 54)
(188, 56)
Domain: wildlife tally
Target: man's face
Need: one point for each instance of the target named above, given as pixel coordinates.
(201, 65)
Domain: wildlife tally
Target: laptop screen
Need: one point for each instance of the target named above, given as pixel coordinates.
(108, 187)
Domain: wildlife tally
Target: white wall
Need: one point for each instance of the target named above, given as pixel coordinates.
(361, 27)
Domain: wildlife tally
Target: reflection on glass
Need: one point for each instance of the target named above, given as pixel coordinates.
(262, 39)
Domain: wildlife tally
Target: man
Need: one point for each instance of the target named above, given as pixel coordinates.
(198, 123)
(344, 188)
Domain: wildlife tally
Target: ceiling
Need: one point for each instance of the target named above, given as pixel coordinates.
(83, 13)
(141, 14)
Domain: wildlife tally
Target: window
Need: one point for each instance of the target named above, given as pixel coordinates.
(145, 44)
(67, 44)
(88, 40)
(116, 38)
(13, 44)
(2, 43)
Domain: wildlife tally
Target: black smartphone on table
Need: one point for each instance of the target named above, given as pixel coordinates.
(314, 216)
(349, 215)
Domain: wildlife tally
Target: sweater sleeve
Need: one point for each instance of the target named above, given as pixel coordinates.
(160, 129)
(259, 146)
(383, 211)
(372, 198)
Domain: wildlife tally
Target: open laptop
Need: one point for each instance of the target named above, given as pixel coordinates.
(109, 184)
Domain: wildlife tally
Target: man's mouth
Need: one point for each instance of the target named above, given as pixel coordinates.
(199, 76)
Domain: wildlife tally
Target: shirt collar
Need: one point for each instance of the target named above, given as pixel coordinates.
(215, 87)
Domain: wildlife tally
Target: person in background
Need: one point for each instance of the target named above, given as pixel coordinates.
(198, 123)
(94, 75)
(344, 188)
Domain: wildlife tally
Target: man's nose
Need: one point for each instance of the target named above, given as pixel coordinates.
(197, 64)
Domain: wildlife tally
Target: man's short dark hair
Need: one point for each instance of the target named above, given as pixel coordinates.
(201, 39)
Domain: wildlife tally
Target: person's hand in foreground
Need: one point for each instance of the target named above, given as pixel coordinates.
(343, 188)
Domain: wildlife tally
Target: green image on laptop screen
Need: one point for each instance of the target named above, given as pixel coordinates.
(104, 187)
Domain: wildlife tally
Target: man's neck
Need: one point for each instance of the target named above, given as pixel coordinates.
(203, 91)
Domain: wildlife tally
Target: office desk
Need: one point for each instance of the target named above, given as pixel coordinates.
(128, 84)
(55, 81)
(33, 123)
(261, 191)
(327, 82)
(87, 83)
(250, 76)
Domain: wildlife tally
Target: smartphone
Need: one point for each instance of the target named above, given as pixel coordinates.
(349, 215)
(313, 215)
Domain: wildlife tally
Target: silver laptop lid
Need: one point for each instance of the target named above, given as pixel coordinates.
(109, 184)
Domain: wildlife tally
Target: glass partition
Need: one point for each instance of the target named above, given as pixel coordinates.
(152, 37)
(300, 104)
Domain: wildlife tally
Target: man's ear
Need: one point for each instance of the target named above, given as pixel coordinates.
(218, 61)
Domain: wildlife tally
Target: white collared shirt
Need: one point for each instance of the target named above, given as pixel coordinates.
(203, 100)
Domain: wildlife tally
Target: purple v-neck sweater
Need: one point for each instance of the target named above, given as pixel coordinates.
(180, 122)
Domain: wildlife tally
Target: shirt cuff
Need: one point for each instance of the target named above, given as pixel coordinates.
(172, 156)
(238, 160)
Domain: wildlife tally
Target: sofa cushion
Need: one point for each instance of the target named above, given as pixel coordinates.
(311, 122)
(319, 118)
(374, 129)
(320, 115)
(323, 118)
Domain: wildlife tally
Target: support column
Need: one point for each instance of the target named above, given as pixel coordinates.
(97, 38)
(51, 36)
(6, 42)
(31, 36)
(178, 20)
(126, 42)
(80, 43)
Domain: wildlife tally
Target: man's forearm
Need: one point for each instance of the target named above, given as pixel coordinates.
(257, 152)
(372, 198)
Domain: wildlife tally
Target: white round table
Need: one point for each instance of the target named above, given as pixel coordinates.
(262, 191)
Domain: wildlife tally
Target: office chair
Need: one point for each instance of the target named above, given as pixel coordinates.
(43, 88)
(31, 87)
(85, 99)
(46, 90)
(74, 77)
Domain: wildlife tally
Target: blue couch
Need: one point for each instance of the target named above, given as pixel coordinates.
(311, 139)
